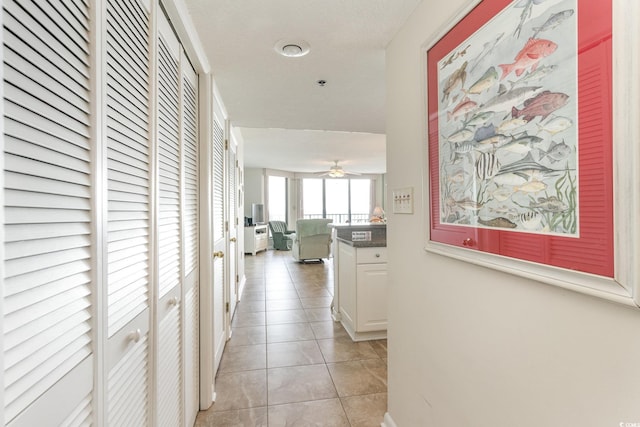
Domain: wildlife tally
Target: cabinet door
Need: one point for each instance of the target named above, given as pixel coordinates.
(372, 297)
(347, 281)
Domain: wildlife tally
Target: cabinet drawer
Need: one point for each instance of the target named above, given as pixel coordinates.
(371, 255)
(261, 237)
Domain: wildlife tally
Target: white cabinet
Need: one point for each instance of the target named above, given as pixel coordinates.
(256, 239)
(362, 287)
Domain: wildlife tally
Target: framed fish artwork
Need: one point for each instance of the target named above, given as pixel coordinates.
(520, 135)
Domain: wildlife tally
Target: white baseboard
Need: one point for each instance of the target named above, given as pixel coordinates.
(243, 282)
(388, 421)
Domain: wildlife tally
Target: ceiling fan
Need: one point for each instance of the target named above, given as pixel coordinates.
(336, 171)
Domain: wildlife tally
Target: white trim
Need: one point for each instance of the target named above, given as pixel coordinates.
(100, 322)
(154, 213)
(2, 230)
(626, 135)
(181, 20)
(624, 288)
(388, 421)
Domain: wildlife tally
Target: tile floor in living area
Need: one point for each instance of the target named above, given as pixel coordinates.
(287, 363)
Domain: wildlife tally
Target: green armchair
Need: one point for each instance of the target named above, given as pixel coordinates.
(312, 240)
(280, 234)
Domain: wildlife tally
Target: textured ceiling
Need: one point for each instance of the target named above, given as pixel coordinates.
(263, 90)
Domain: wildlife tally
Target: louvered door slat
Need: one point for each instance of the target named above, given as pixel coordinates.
(47, 176)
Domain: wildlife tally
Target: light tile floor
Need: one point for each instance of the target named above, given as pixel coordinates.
(287, 363)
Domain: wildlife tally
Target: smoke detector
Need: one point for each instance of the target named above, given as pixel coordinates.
(292, 48)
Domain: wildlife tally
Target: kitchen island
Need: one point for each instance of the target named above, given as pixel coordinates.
(360, 279)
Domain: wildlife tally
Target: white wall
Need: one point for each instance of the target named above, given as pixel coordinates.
(470, 346)
(253, 188)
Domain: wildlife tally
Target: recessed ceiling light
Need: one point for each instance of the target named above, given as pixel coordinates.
(292, 48)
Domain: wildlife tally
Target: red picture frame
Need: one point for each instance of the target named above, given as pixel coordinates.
(592, 250)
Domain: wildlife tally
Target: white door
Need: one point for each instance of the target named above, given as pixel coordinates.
(48, 352)
(190, 221)
(169, 393)
(130, 213)
(232, 220)
(219, 237)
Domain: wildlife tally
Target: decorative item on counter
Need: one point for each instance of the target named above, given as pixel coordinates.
(378, 215)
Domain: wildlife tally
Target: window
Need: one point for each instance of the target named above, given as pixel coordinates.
(343, 200)
(277, 208)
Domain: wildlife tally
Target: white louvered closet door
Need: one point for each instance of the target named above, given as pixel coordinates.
(219, 239)
(190, 221)
(169, 370)
(47, 277)
(232, 209)
(129, 216)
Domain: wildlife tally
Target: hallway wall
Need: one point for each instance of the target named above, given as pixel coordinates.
(470, 346)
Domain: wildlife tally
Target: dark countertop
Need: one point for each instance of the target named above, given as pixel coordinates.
(377, 231)
(364, 244)
(365, 225)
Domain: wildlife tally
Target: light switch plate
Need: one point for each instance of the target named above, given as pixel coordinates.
(403, 200)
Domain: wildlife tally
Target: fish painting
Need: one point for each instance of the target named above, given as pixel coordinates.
(488, 79)
(529, 56)
(556, 152)
(455, 81)
(541, 105)
(506, 129)
(498, 222)
(553, 21)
